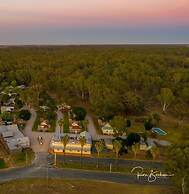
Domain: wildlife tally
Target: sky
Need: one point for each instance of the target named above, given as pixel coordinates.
(94, 21)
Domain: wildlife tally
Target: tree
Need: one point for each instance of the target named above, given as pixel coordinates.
(148, 124)
(65, 140)
(178, 164)
(117, 147)
(79, 113)
(180, 111)
(156, 118)
(5, 98)
(154, 151)
(135, 149)
(18, 103)
(165, 97)
(25, 114)
(132, 138)
(82, 141)
(99, 145)
(13, 83)
(6, 116)
(119, 123)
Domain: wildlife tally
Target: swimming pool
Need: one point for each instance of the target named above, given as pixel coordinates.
(159, 131)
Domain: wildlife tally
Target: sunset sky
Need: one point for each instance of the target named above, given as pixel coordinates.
(94, 21)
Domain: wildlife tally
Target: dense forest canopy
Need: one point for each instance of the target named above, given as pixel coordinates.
(112, 79)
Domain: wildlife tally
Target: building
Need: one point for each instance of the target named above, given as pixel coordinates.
(14, 138)
(74, 127)
(107, 129)
(7, 109)
(73, 146)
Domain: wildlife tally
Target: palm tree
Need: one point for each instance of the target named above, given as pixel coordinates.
(82, 141)
(117, 147)
(135, 149)
(65, 140)
(99, 145)
(154, 151)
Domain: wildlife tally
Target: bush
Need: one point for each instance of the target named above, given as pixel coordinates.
(80, 113)
(148, 124)
(18, 103)
(128, 123)
(6, 116)
(133, 138)
(25, 115)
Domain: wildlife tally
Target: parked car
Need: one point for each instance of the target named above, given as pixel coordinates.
(40, 140)
(8, 122)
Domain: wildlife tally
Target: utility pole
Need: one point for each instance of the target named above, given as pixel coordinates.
(47, 177)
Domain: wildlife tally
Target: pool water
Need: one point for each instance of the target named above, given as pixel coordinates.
(159, 131)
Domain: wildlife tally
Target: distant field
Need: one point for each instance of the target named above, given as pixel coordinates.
(33, 186)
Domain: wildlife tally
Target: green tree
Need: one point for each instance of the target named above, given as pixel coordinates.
(79, 113)
(6, 116)
(117, 147)
(25, 114)
(156, 118)
(119, 123)
(148, 124)
(178, 164)
(65, 140)
(165, 97)
(82, 141)
(154, 151)
(99, 145)
(135, 149)
(132, 138)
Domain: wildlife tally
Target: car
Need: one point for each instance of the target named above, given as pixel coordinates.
(40, 140)
(8, 122)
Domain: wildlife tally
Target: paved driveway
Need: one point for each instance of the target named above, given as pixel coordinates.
(34, 135)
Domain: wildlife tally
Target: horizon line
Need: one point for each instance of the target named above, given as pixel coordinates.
(91, 44)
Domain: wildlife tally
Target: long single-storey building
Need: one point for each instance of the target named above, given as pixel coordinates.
(14, 138)
(73, 146)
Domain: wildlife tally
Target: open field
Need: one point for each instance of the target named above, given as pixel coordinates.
(57, 186)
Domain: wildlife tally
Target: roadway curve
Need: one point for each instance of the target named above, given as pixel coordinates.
(49, 172)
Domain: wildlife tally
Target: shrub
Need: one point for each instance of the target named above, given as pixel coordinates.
(25, 115)
(148, 124)
(6, 116)
(133, 138)
(80, 113)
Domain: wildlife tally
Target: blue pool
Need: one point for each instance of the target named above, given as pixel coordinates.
(159, 131)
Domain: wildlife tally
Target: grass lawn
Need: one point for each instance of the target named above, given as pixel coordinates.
(168, 123)
(2, 164)
(22, 158)
(102, 167)
(57, 186)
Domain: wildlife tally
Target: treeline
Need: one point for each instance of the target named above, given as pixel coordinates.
(112, 79)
